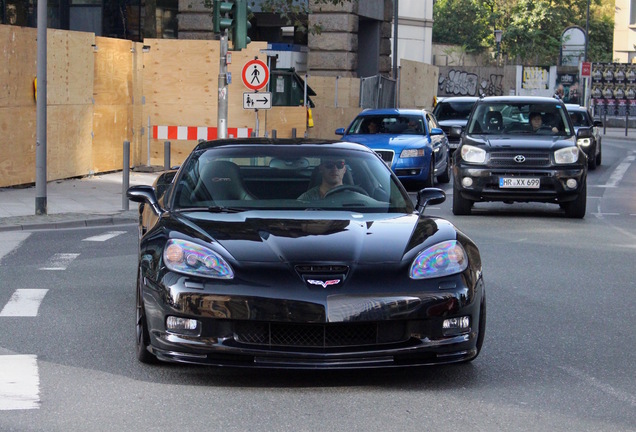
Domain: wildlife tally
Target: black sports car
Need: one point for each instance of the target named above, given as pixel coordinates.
(301, 254)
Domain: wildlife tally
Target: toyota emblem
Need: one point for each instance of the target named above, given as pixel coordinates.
(520, 158)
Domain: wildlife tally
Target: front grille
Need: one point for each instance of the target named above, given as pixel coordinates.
(507, 159)
(319, 335)
(386, 155)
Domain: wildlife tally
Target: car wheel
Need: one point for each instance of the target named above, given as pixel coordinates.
(446, 175)
(576, 208)
(599, 155)
(591, 161)
(141, 327)
(430, 179)
(461, 206)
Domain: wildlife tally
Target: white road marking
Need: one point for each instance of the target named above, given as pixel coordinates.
(590, 380)
(59, 261)
(24, 303)
(19, 382)
(106, 236)
(619, 172)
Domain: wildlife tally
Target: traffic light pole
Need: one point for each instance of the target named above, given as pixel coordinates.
(222, 106)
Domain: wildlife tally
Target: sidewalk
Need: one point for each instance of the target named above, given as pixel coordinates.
(89, 201)
(97, 200)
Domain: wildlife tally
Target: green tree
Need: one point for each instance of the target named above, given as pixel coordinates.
(460, 22)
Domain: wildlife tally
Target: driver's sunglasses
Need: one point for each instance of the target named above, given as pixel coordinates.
(336, 164)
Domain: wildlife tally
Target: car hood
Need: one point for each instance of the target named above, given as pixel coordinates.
(379, 141)
(259, 237)
(455, 122)
(531, 142)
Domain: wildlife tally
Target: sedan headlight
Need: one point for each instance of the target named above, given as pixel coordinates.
(568, 155)
(472, 154)
(443, 259)
(190, 258)
(584, 142)
(411, 153)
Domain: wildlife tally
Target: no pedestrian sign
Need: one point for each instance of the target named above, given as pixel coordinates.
(255, 74)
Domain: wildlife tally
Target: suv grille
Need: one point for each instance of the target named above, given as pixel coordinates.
(319, 335)
(507, 159)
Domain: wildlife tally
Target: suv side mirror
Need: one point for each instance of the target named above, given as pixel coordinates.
(584, 133)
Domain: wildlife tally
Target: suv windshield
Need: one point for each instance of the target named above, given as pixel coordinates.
(453, 110)
(520, 118)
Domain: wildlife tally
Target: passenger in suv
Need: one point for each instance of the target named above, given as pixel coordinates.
(502, 158)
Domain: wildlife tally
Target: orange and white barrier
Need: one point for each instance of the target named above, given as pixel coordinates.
(195, 133)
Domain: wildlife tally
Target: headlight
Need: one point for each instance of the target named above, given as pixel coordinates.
(584, 142)
(190, 258)
(566, 155)
(443, 259)
(473, 154)
(409, 153)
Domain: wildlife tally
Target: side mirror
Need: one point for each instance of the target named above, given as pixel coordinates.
(455, 131)
(584, 133)
(429, 196)
(437, 131)
(340, 131)
(144, 194)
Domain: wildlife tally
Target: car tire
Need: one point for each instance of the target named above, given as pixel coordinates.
(576, 209)
(599, 156)
(591, 161)
(430, 179)
(141, 328)
(461, 206)
(446, 175)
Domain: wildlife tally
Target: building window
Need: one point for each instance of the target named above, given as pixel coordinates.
(632, 12)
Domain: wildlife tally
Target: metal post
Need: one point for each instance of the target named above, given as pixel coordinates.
(335, 103)
(125, 177)
(305, 91)
(166, 155)
(222, 111)
(626, 119)
(293, 132)
(274, 133)
(40, 144)
(257, 125)
(604, 119)
(149, 140)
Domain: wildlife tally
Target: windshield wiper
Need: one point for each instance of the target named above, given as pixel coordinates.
(211, 209)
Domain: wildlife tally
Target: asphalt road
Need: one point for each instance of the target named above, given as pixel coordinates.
(559, 351)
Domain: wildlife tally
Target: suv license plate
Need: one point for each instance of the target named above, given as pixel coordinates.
(519, 182)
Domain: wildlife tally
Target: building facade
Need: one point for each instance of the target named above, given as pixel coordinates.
(625, 31)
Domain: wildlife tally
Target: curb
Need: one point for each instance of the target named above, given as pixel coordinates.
(73, 223)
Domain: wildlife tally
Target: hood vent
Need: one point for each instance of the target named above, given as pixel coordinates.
(322, 269)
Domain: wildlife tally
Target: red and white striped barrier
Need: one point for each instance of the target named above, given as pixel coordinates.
(195, 133)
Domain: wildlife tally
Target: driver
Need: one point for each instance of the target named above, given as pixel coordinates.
(537, 123)
(332, 172)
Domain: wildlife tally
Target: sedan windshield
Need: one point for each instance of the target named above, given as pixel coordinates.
(287, 177)
(513, 118)
(389, 124)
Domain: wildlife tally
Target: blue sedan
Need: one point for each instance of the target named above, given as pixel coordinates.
(410, 141)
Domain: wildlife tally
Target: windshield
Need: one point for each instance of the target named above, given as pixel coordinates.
(513, 118)
(287, 177)
(453, 110)
(389, 124)
(580, 118)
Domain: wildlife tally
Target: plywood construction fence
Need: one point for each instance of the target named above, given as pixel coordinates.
(102, 92)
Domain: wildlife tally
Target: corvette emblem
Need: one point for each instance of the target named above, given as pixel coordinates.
(323, 284)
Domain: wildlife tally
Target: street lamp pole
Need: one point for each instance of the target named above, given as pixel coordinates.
(498, 34)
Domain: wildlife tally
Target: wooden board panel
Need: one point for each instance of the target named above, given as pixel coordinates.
(17, 153)
(70, 67)
(17, 65)
(69, 141)
(113, 71)
(419, 84)
(111, 125)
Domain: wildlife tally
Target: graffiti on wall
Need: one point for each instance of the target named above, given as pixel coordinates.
(535, 78)
(462, 83)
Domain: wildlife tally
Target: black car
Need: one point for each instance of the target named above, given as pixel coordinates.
(520, 149)
(244, 262)
(452, 114)
(582, 118)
